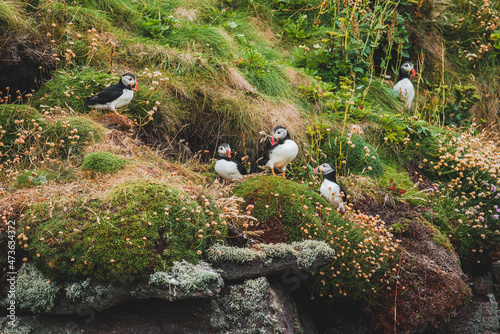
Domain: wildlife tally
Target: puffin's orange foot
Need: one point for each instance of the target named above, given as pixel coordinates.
(284, 175)
(272, 170)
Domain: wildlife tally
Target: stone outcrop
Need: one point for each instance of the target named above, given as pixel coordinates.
(207, 298)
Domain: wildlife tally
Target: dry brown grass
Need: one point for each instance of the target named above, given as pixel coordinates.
(297, 78)
(236, 80)
(188, 14)
(488, 109)
(144, 163)
(284, 114)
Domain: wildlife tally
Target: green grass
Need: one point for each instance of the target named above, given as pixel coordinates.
(12, 15)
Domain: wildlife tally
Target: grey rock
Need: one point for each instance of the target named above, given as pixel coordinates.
(479, 317)
(483, 285)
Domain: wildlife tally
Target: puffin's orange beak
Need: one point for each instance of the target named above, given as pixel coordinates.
(317, 170)
(272, 141)
(413, 71)
(228, 153)
(136, 87)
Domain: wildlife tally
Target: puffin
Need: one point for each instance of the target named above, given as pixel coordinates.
(281, 153)
(229, 169)
(404, 87)
(115, 96)
(330, 189)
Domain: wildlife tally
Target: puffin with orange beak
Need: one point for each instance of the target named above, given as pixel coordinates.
(115, 96)
(281, 153)
(227, 168)
(330, 189)
(404, 87)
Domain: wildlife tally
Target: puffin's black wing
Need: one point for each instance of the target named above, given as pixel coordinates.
(343, 193)
(241, 168)
(108, 94)
(265, 159)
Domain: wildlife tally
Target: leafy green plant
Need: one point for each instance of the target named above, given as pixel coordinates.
(33, 178)
(294, 28)
(457, 113)
(159, 27)
(254, 61)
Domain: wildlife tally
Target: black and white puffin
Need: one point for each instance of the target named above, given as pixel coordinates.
(330, 189)
(115, 96)
(404, 87)
(227, 168)
(281, 153)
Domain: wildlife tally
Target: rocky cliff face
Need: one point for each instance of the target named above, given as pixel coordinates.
(249, 290)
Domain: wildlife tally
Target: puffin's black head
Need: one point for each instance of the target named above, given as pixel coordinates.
(224, 150)
(407, 69)
(129, 81)
(279, 134)
(326, 168)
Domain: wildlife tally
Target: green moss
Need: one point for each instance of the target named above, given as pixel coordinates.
(399, 228)
(103, 162)
(139, 227)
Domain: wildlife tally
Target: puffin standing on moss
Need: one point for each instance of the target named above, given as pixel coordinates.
(330, 189)
(115, 96)
(404, 87)
(227, 168)
(281, 153)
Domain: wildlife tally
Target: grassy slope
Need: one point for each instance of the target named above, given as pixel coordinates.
(212, 72)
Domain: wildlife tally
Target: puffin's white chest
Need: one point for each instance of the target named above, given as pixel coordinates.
(331, 192)
(227, 170)
(283, 154)
(121, 101)
(405, 88)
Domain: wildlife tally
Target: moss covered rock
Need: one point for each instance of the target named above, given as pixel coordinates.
(139, 227)
(363, 247)
(291, 209)
(103, 162)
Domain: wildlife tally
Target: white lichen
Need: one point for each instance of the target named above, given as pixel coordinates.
(34, 291)
(311, 251)
(220, 253)
(245, 309)
(189, 277)
(78, 290)
(9, 327)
